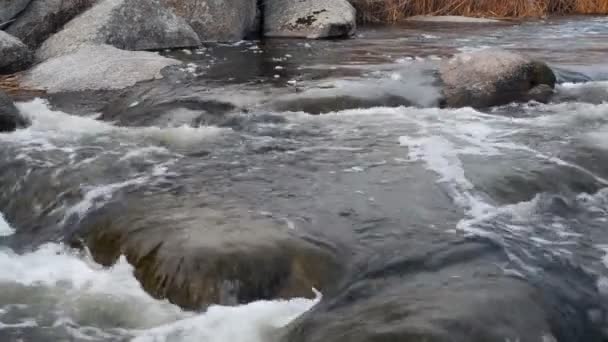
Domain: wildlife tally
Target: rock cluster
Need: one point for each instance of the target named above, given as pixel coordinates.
(61, 31)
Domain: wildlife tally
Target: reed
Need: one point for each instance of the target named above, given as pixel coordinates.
(396, 10)
(10, 84)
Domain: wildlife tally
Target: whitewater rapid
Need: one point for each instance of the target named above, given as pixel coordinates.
(63, 292)
(472, 155)
(57, 288)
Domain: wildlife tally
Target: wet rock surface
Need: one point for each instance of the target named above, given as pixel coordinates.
(309, 19)
(127, 25)
(14, 55)
(42, 18)
(491, 78)
(10, 117)
(154, 104)
(213, 20)
(458, 291)
(196, 255)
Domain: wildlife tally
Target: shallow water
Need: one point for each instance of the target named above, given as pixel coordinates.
(381, 169)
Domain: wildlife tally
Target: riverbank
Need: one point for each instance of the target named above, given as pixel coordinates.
(391, 11)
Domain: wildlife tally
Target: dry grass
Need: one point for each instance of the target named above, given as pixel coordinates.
(10, 85)
(396, 10)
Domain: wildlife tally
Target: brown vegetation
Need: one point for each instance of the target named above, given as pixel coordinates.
(10, 85)
(396, 10)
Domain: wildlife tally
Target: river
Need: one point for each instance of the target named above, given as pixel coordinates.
(381, 170)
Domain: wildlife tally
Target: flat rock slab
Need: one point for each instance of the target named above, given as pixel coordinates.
(10, 8)
(125, 24)
(42, 18)
(14, 55)
(453, 19)
(309, 18)
(219, 20)
(92, 67)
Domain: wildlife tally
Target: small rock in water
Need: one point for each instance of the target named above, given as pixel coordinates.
(494, 77)
(277, 76)
(10, 117)
(278, 67)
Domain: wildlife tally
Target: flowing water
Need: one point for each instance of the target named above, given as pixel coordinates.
(531, 177)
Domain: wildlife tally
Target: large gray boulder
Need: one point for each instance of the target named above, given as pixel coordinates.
(10, 8)
(96, 67)
(454, 292)
(309, 18)
(10, 117)
(125, 24)
(14, 55)
(42, 18)
(218, 20)
(494, 77)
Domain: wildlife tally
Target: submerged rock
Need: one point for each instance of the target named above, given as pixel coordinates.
(457, 292)
(42, 18)
(196, 255)
(337, 102)
(494, 77)
(96, 67)
(309, 18)
(10, 8)
(213, 20)
(10, 117)
(128, 25)
(14, 55)
(153, 104)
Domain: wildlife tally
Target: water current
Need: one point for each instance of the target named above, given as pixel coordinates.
(532, 177)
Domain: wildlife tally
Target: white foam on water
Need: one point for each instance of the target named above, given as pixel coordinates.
(95, 303)
(598, 138)
(182, 136)
(97, 196)
(562, 114)
(28, 323)
(50, 127)
(442, 139)
(582, 85)
(81, 289)
(440, 156)
(5, 228)
(48, 121)
(254, 322)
